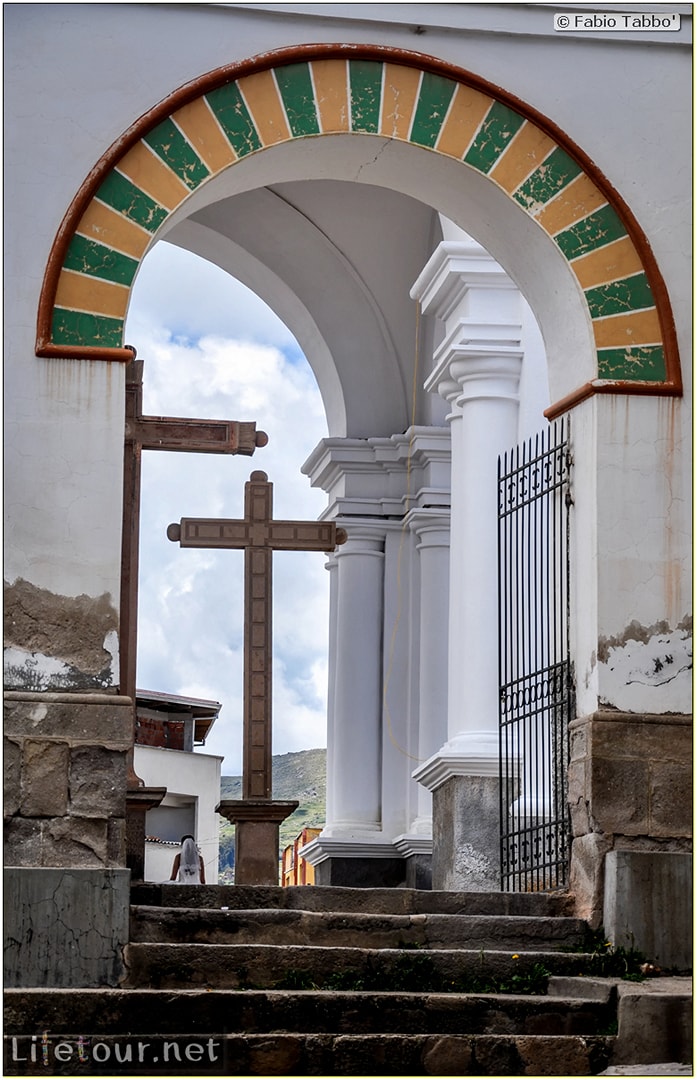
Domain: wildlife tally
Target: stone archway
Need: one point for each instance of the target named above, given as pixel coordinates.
(235, 114)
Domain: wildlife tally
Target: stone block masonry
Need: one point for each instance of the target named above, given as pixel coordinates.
(630, 796)
(66, 885)
(65, 779)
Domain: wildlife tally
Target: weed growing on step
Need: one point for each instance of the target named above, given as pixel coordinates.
(418, 974)
(605, 961)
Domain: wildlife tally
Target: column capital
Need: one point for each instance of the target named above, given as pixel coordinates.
(431, 526)
(468, 370)
(456, 267)
(363, 538)
(381, 477)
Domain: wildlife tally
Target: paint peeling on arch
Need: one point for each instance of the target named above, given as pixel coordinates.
(211, 123)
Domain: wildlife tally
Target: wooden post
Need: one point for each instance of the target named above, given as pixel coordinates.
(155, 433)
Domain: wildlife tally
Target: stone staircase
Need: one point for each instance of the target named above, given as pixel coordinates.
(261, 981)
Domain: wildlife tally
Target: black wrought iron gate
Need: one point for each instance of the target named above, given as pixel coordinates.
(535, 674)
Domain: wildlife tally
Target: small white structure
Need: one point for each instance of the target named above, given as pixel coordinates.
(168, 727)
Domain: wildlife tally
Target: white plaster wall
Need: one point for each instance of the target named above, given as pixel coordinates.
(644, 564)
(631, 557)
(183, 774)
(64, 475)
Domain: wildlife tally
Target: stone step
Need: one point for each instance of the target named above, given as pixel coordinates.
(314, 1055)
(167, 966)
(337, 898)
(354, 929)
(256, 1012)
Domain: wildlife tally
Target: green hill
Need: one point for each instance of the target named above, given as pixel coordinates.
(302, 776)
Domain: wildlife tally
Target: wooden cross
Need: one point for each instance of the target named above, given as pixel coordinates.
(155, 433)
(259, 535)
(160, 433)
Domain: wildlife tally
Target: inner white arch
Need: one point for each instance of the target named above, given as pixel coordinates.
(268, 208)
(212, 350)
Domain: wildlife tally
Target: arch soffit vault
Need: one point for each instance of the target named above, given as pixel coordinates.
(223, 117)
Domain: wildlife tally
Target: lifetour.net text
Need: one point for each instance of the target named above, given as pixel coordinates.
(47, 1050)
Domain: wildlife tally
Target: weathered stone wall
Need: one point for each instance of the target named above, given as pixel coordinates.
(630, 789)
(58, 642)
(65, 779)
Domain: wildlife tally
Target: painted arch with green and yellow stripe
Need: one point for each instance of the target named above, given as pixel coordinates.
(306, 92)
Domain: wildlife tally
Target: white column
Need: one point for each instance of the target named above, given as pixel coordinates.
(477, 370)
(432, 529)
(331, 567)
(356, 803)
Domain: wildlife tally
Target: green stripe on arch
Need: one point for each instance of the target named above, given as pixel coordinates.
(95, 260)
(365, 83)
(82, 328)
(637, 364)
(122, 195)
(555, 172)
(619, 297)
(297, 94)
(435, 96)
(594, 231)
(498, 128)
(170, 145)
(231, 112)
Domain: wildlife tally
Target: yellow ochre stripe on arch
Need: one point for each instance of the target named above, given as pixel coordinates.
(386, 98)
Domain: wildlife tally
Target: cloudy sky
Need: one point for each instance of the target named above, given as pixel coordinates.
(212, 349)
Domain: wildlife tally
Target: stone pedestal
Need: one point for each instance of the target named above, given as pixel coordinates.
(256, 823)
(361, 874)
(466, 833)
(370, 861)
(138, 801)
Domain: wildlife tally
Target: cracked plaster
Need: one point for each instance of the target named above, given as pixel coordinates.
(68, 927)
(58, 642)
(647, 669)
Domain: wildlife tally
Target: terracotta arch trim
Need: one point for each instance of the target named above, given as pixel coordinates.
(309, 91)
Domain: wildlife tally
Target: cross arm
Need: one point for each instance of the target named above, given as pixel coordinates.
(277, 535)
(195, 436)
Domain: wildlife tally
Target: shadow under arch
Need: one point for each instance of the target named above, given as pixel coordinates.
(533, 199)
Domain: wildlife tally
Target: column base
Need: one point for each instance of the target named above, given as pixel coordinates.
(359, 862)
(417, 851)
(256, 823)
(466, 834)
(468, 754)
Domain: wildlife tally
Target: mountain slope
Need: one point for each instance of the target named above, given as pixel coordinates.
(302, 776)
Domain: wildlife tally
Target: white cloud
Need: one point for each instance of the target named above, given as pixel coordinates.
(193, 298)
(213, 350)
